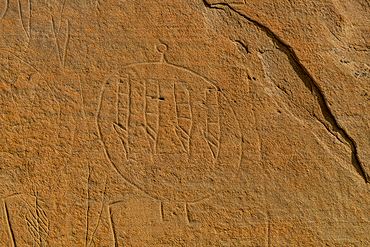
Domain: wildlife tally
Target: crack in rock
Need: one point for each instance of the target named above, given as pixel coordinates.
(321, 97)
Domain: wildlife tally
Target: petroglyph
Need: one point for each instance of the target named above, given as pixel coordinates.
(184, 123)
(26, 29)
(9, 224)
(27, 221)
(37, 224)
(61, 52)
(213, 125)
(184, 116)
(164, 126)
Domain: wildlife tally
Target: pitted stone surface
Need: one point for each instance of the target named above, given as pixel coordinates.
(184, 123)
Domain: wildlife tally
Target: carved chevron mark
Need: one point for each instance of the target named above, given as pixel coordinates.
(37, 224)
(123, 103)
(123, 134)
(334, 127)
(213, 125)
(183, 115)
(151, 115)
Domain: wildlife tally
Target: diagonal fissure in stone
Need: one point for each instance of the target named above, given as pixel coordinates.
(314, 87)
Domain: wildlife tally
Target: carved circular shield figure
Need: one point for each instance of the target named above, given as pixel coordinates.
(169, 131)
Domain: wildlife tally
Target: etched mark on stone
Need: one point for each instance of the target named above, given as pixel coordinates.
(111, 222)
(26, 219)
(162, 48)
(8, 224)
(88, 203)
(161, 127)
(6, 3)
(213, 131)
(183, 115)
(20, 12)
(37, 223)
(151, 115)
(123, 113)
(61, 55)
(103, 203)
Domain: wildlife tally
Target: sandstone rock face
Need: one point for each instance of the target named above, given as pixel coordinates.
(185, 123)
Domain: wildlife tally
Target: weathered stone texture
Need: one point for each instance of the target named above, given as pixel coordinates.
(185, 123)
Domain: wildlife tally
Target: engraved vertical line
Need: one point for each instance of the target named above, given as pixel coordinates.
(5, 9)
(97, 5)
(239, 128)
(61, 14)
(219, 125)
(21, 19)
(161, 210)
(177, 117)
(73, 138)
(268, 229)
(88, 204)
(186, 132)
(145, 119)
(187, 213)
(117, 103)
(82, 98)
(145, 109)
(128, 115)
(175, 101)
(65, 45)
(10, 230)
(121, 129)
(158, 118)
(207, 130)
(8, 63)
(259, 139)
(29, 20)
(100, 212)
(56, 40)
(191, 124)
(115, 242)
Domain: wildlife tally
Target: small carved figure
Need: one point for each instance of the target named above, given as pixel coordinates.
(169, 131)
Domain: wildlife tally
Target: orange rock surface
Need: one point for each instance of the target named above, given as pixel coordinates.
(185, 123)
